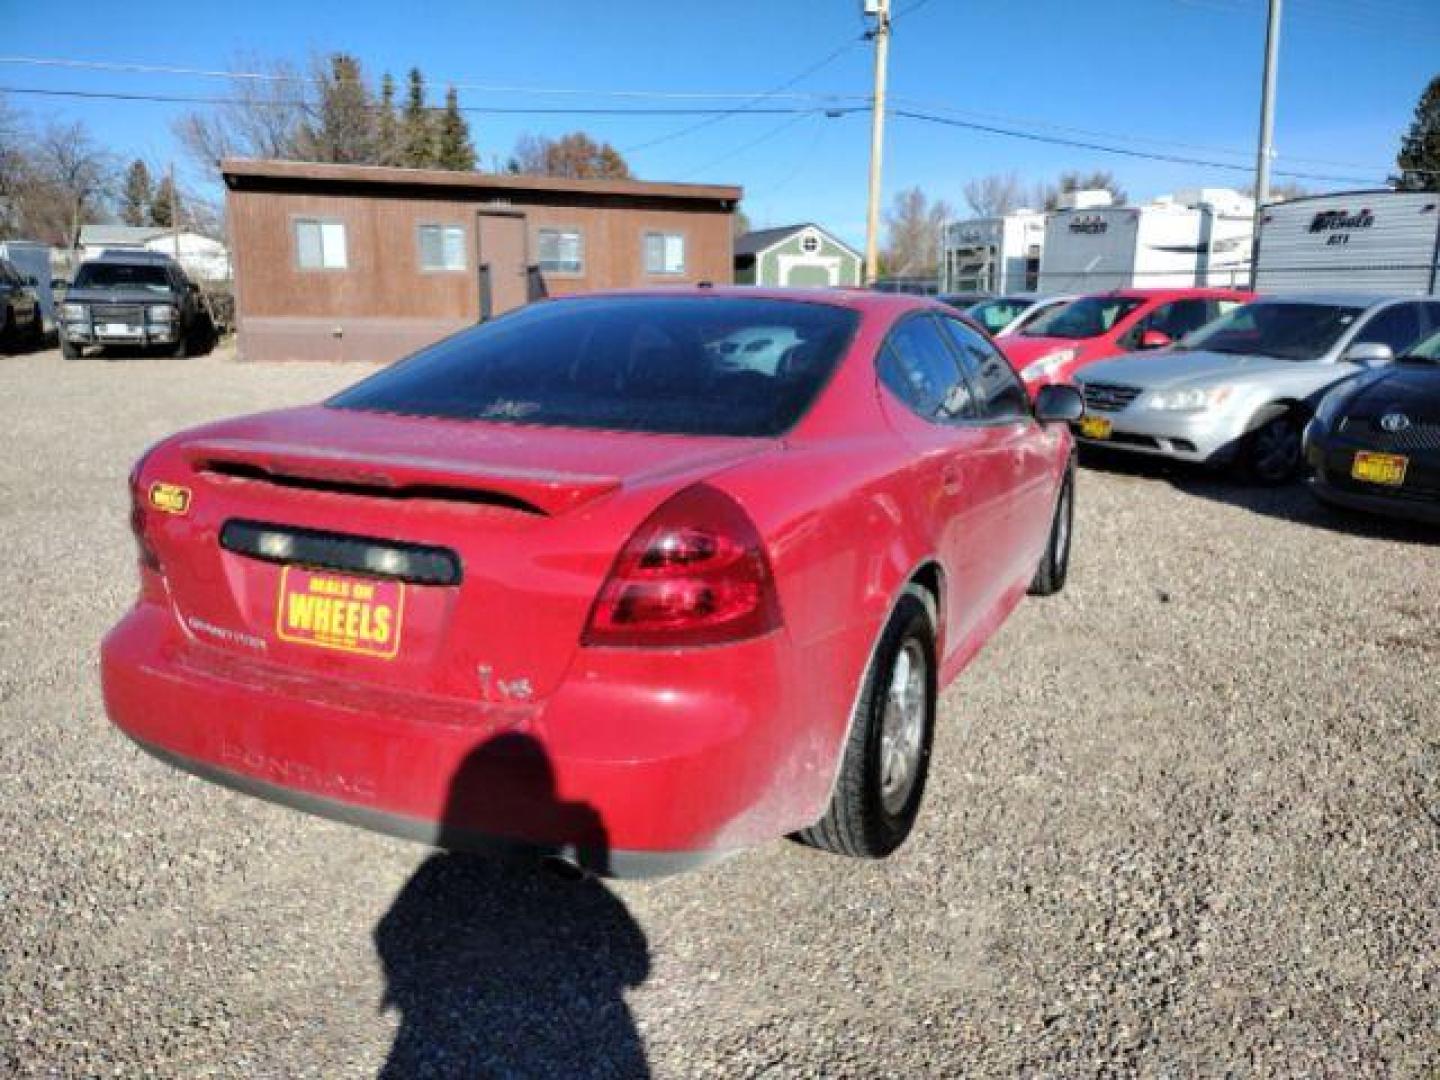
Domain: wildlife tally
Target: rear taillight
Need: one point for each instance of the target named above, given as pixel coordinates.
(694, 573)
(139, 518)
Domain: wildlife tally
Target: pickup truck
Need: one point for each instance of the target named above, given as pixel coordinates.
(135, 299)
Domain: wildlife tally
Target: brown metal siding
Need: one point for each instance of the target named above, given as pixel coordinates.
(382, 305)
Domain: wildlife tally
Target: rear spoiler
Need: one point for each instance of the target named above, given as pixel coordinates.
(398, 476)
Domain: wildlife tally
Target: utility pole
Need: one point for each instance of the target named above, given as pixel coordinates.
(881, 35)
(1267, 114)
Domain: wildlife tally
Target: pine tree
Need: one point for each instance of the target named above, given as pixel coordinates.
(387, 126)
(162, 204)
(453, 149)
(1419, 157)
(344, 128)
(135, 198)
(417, 132)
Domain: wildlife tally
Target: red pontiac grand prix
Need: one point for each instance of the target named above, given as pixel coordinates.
(696, 562)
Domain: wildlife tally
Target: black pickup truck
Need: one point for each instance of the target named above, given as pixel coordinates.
(138, 299)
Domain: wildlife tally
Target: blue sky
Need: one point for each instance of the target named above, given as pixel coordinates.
(1164, 71)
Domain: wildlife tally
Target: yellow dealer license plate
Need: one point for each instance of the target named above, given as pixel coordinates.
(1095, 427)
(331, 611)
(1387, 469)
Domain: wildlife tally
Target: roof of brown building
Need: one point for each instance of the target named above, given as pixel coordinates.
(238, 170)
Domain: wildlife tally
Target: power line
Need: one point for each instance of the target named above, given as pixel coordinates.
(1055, 140)
(749, 107)
(187, 99)
(126, 67)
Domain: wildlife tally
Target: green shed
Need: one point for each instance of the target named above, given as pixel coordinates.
(795, 255)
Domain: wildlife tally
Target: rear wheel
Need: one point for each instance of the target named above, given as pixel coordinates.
(37, 330)
(887, 755)
(7, 332)
(1055, 563)
(1273, 452)
(68, 349)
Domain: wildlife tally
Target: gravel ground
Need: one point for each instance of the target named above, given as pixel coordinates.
(1184, 819)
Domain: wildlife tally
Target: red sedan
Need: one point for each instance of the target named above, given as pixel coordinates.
(634, 579)
(1058, 344)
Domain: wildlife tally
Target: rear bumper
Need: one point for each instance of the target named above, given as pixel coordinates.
(640, 763)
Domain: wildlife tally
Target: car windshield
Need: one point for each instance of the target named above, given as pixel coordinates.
(1284, 331)
(995, 315)
(1426, 352)
(107, 275)
(692, 365)
(1086, 318)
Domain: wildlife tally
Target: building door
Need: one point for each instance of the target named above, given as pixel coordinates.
(502, 261)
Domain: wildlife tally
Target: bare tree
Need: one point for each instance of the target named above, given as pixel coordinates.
(576, 155)
(912, 233)
(1048, 195)
(262, 117)
(994, 195)
(342, 127)
(65, 185)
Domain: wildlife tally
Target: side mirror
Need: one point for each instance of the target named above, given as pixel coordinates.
(1370, 354)
(1155, 339)
(1057, 403)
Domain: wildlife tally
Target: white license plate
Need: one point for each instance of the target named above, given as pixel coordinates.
(115, 329)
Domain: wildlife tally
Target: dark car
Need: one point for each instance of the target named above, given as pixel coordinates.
(20, 317)
(138, 299)
(1375, 440)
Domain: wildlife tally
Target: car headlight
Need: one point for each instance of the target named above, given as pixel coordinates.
(72, 311)
(1048, 364)
(161, 313)
(1194, 400)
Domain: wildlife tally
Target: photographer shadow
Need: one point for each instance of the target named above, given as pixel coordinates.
(498, 967)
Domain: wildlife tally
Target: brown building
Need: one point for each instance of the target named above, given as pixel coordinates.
(351, 262)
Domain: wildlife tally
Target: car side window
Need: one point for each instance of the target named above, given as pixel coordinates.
(1399, 327)
(998, 390)
(918, 368)
(1174, 320)
(1432, 317)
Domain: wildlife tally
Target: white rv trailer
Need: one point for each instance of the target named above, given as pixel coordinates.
(1375, 241)
(993, 254)
(1201, 237)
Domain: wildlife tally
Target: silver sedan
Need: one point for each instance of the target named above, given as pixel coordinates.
(1240, 389)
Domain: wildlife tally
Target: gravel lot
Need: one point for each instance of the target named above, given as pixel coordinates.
(1184, 819)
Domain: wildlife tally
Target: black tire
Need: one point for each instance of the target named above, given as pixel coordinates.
(1273, 454)
(68, 349)
(1054, 565)
(861, 820)
(7, 332)
(181, 348)
(37, 330)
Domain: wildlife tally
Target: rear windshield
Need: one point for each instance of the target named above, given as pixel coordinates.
(1284, 331)
(1086, 318)
(97, 275)
(691, 365)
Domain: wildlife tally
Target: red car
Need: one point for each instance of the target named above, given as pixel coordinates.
(593, 581)
(1058, 344)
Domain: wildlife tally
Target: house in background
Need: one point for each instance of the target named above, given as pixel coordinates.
(367, 262)
(795, 255)
(203, 258)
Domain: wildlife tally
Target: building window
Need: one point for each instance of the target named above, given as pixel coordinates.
(810, 244)
(442, 247)
(320, 245)
(562, 251)
(664, 253)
